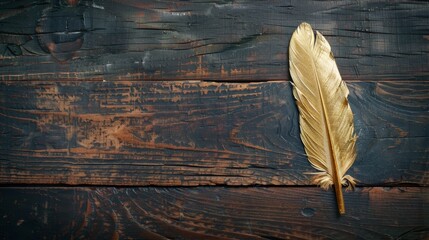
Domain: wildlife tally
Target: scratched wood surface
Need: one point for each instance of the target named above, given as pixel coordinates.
(212, 213)
(184, 94)
(215, 40)
(197, 133)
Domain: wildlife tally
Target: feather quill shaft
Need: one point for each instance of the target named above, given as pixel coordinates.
(326, 119)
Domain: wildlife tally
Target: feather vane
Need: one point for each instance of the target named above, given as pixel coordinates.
(326, 119)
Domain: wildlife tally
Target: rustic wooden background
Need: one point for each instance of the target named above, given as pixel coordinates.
(130, 119)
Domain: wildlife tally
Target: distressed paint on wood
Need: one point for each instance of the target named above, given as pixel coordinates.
(212, 40)
(61, 124)
(197, 133)
(212, 213)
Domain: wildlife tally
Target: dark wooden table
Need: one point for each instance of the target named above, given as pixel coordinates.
(175, 120)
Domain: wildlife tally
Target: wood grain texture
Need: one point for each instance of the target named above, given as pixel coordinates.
(212, 213)
(211, 40)
(103, 93)
(197, 133)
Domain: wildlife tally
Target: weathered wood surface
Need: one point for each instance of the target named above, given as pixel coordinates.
(197, 133)
(86, 99)
(212, 213)
(215, 40)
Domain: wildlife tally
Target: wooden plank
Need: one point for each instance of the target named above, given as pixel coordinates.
(211, 40)
(212, 213)
(197, 133)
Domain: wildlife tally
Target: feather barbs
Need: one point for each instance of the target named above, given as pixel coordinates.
(326, 119)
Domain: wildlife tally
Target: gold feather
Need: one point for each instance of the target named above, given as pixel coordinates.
(325, 116)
